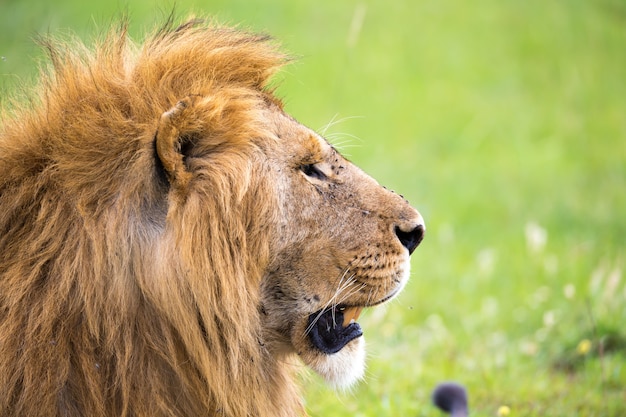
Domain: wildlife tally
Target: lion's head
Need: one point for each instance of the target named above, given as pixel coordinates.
(342, 242)
(169, 236)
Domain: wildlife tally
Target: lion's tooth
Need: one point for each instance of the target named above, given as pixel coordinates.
(351, 315)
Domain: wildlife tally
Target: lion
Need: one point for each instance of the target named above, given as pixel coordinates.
(171, 240)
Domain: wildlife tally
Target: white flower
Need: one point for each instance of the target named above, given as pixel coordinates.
(549, 319)
(569, 291)
(536, 237)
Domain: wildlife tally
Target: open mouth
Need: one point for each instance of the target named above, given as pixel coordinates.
(332, 329)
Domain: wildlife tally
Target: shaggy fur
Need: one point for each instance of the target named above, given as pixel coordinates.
(147, 229)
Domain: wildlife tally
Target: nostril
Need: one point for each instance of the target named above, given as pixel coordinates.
(412, 238)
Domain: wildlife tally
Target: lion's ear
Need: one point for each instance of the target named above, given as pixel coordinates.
(168, 141)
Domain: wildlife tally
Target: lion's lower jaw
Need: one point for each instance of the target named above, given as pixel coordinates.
(342, 369)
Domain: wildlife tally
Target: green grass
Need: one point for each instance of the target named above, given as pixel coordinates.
(504, 122)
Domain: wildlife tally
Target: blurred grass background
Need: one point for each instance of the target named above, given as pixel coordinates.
(504, 122)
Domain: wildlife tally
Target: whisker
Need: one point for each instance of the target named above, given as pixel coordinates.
(369, 296)
(341, 286)
(323, 309)
(332, 136)
(334, 121)
(323, 130)
(341, 289)
(352, 292)
(346, 295)
(343, 141)
(333, 304)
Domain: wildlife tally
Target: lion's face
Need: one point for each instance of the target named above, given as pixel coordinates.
(343, 243)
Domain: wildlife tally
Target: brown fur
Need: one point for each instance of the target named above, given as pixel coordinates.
(150, 206)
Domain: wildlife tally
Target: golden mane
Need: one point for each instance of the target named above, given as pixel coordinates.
(116, 299)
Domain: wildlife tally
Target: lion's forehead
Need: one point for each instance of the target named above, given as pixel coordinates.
(300, 142)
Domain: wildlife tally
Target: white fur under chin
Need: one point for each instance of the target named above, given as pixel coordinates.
(342, 369)
(346, 367)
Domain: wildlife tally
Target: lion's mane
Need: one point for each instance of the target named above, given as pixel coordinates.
(119, 297)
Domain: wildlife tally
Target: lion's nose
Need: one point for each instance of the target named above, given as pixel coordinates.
(411, 238)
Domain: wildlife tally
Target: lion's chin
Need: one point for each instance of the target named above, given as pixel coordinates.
(340, 369)
(331, 347)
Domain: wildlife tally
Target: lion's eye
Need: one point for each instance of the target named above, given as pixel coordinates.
(311, 170)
